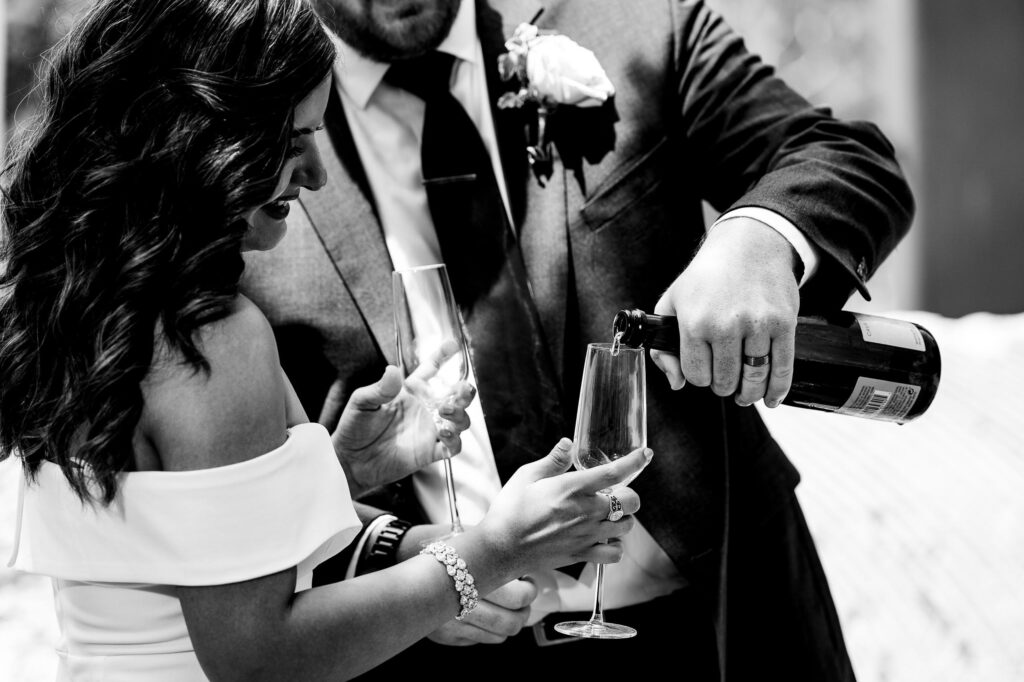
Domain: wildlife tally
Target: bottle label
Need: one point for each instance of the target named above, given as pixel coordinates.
(899, 333)
(880, 399)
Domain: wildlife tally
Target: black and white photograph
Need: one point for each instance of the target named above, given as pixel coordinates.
(511, 339)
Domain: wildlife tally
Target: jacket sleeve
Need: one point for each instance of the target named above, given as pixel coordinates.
(758, 143)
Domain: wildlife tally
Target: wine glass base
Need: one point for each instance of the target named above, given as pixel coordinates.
(595, 630)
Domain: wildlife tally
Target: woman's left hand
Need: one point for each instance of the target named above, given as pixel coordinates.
(385, 434)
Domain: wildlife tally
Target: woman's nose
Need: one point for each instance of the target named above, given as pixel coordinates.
(310, 172)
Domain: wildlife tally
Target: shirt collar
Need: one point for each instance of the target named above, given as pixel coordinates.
(359, 76)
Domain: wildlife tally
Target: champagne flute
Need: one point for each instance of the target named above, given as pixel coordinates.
(432, 350)
(611, 422)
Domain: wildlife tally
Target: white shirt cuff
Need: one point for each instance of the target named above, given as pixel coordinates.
(805, 250)
(370, 532)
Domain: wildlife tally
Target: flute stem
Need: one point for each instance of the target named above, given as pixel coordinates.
(598, 615)
(453, 507)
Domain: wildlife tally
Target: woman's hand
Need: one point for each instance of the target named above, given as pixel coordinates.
(385, 434)
(546, 517)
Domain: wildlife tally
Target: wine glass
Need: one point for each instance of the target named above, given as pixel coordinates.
(432, 350)
(611, 422)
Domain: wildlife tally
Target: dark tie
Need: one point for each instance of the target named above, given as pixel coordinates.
(518, 392)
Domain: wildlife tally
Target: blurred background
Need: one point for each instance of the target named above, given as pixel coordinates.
(921, 526)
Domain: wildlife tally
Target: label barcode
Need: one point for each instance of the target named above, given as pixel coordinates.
(880, 399)
(877, 401)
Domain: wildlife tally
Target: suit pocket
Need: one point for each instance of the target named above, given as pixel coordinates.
(627, 185)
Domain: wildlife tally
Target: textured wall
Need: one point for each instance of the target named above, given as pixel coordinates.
(972, 131)
(856, 57)
(945, 81)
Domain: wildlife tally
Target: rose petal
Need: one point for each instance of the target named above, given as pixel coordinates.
(561, 70)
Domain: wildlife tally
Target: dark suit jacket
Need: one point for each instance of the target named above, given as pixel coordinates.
(698, 118)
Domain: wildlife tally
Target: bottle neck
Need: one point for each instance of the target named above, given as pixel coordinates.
(629, 326)
(644, 329)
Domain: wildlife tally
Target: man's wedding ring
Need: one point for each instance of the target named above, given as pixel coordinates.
(755, 360)
(614, 508)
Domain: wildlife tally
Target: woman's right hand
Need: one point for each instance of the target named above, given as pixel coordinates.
(547, 516)
(385, 433)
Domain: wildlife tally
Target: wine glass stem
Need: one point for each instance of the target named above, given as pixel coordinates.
(598, 615)
(453, 507)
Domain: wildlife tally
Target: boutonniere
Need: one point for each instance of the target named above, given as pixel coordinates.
(556, 76)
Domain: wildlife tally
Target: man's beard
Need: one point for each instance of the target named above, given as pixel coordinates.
(389, 37)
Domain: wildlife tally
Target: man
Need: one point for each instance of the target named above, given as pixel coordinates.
(720, 576)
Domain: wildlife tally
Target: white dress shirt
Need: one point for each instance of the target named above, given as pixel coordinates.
(387, 125)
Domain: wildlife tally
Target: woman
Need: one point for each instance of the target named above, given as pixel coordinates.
(174, 489)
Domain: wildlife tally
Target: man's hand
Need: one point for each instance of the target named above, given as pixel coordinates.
(385, 434)
(737, 297)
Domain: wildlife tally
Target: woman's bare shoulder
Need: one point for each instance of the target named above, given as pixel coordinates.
(236, 411)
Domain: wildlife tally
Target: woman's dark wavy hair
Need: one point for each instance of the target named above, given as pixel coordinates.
(164, 122)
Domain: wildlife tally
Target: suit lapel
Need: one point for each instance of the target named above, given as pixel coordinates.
(510, 13)
(493, 28)
(343, 215)
(537, 212)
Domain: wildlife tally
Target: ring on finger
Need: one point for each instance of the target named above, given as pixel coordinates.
(756, 360)
(614, 508)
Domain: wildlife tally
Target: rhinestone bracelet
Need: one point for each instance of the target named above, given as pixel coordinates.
(456, 567)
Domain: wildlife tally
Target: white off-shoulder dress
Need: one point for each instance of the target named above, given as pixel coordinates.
(115, 568)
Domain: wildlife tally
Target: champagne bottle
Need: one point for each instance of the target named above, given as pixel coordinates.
(846, 363)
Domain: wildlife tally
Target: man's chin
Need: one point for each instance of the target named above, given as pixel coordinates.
(395, 33)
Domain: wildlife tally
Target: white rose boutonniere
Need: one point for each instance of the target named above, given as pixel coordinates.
(553, 72)
(553, 69)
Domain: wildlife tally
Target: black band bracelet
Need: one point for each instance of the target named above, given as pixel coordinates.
(383, 550)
